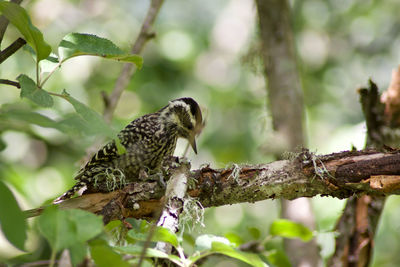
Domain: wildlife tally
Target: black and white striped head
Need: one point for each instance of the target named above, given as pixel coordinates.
(185, 113)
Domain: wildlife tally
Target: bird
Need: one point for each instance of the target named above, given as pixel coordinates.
(142, 146)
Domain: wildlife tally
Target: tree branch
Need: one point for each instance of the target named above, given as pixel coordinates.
(338, 175)
(4, 21)
(129, 68)
(9, 82)
(11, 49)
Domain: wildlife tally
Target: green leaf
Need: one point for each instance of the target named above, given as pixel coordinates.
(136, 250)
(249, 258)
(91, 117)
(30, 90)
(104, 255)
(20, 19)
(87, 224)
(79, 44)
(204, 242)
(234, 239)
(160, 234)
(56, 227)
(278, 259)
(289, 229)
(254, 232)
(77, 253)
(12, 220)
(64, 228)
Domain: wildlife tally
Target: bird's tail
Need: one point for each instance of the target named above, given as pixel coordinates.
(70, 193)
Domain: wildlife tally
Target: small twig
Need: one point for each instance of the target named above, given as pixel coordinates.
(4, 21)
(11, 49)
(129, 68)
(49, 75)
(9, 82)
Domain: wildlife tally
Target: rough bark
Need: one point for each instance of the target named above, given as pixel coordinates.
(285, 97)
(357, 226)
(338, 175)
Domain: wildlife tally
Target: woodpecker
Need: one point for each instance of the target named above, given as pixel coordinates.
(143, 145)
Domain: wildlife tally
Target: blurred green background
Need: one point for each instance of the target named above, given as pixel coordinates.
(207, 50)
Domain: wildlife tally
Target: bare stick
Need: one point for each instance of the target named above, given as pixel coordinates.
(4, 21)
(11, 49)
(9, 82)
(129, 68)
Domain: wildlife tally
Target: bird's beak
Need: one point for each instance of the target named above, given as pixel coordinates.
(192, 141)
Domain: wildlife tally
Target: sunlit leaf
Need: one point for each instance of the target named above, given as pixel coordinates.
(249, 258)
(20, 19)
(204, 242)
(234, 239)
(289, 229)
(12, 220)
(34, 93)
(79, 44)
(160, 234)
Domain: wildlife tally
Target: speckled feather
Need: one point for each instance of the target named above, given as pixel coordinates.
(148, 140)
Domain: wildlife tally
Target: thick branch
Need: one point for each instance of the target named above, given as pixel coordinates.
(338, 175)
(9, 82)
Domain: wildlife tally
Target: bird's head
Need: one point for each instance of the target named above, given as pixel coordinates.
(185, 114)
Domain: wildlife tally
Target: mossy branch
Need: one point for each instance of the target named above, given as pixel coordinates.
(339, 175)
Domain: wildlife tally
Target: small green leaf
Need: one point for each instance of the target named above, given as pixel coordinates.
(104, 256)
(136, 250)
(30, 90)
(234, 239)
(91, 117)
(289, 229)
(254, 232)
(20, 19)
(79, 44)
(249, 258)
(278, 258)
(160, 234)
(204, 242)
(12, 219)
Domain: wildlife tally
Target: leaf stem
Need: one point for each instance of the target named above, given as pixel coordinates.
(52, 258)
(51, 73)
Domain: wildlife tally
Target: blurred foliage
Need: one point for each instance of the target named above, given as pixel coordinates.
(201, 50)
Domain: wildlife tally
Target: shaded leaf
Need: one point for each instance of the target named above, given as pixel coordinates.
(56, 227)
(91, 117)
(20, 19)
(289, 229)
(278, 258)
(64, 228)
(104, 255)
(77, 253)
(34, 93)
(79, 44)
(12, 220)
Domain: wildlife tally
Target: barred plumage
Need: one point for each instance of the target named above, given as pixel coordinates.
(146, 141)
